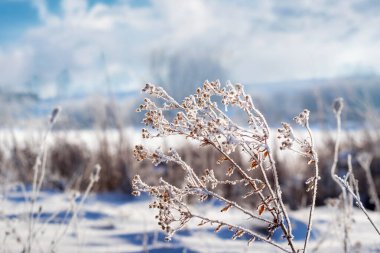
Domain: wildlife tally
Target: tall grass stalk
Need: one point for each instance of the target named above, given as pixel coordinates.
(39, 169)
(346, 183)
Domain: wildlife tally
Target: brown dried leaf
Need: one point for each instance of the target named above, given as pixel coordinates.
(309, 180)
(221, 160)
(226, 208)
(203, 198)
(218, 228)
(203, 222)
(310, 187)
(205, 143)
(261, 208)
(230, 171)
(254, 164)
(238, 234)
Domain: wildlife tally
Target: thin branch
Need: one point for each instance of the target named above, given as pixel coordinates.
(358, 202)
(248, 231)
(234, 204)
(365, 161)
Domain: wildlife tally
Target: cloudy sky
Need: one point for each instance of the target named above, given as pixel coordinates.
(82, 45)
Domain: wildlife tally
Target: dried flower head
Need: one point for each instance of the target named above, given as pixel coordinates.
(302, 118)
(285, 134)
(54, 115)
(95, 175)
(338, 105)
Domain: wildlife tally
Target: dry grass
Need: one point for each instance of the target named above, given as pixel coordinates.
(69, 162)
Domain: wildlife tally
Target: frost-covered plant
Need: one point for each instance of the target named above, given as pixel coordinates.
(365, 160)
(199, 117)
(32, 222)
(348, 183)
(349, 188)
(346, 204)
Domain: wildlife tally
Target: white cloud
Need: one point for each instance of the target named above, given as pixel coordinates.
(256, 41)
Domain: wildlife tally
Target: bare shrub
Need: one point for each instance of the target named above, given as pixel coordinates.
(21, 161)
(68, 161)
(118, 163)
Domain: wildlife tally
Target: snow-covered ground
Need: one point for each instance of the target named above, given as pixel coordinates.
(117, 223)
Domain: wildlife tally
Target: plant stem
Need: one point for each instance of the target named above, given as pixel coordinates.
(315, 189)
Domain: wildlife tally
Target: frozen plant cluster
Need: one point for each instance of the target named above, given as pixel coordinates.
(200, 117)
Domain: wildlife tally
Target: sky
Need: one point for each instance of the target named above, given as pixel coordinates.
(53, 47)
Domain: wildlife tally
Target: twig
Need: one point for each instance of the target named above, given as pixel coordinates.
(236, 227)
(365, 161)
(358, 202)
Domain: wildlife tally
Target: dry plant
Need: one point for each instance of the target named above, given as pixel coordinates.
(348, 184)
(39, 170)
(35, 226)
(200, 118)
(345, 201)
(71, 160)
(349, 188)
(353, 191)
(365, 160)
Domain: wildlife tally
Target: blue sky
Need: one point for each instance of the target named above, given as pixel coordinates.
(15, 18)
(54, 46)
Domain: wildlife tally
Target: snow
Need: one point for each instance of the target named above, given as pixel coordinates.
(114, 222)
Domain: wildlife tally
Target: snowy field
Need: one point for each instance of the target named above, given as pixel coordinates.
(132, 136)
(117, 223)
